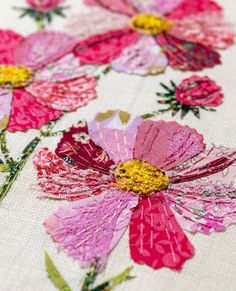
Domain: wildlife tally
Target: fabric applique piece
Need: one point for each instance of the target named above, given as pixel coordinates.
(164, 181)
(192, 94)
(143, 37)
(43, 77)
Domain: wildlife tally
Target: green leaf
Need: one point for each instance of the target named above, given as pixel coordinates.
(184, 110)
(5, 168)
(90, 278)
(54, 275)
(115, 281)
(196, 111)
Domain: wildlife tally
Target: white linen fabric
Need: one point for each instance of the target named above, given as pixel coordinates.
(23, 239)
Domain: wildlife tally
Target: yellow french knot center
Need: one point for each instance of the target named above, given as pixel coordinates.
(140, 177)
(150, 24)
(15, 76)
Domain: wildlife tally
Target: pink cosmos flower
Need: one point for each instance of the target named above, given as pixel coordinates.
(143, 37)
(199, 91)
(44, 5)
(39, 79)
(155, 176)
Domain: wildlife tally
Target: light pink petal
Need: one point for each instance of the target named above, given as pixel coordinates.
(143, 58)
(8, 42)
(114, 136)
(160, 7)
(41, 48)
(156, 238)
(27, 113)
(166, 144)
(190, 7)
(66, 68)
(209, 29)
(103, 48)
(96, 21)
(59, 180)
(203, 192)
(88, 230)
(77, 148)
(67, 95)
(5, 107)
(117, 6)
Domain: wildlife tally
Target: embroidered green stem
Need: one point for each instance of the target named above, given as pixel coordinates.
(60, 283)
(40, 22)
(15, 167)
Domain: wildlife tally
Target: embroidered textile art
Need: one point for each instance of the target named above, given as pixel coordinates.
(143, 37)
(192, 94)
(156, 177)
(39, 79)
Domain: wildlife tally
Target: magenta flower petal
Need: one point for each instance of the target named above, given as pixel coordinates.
(189, 7)
(44, 5)
(41, 48)
(143, 58)
(67, 95)
(156, 238)
(27, 113)
(77, 148)
(8, 42)
(59, 180)
(166, 144)
(88, 230)
(187, 56)
(114, 135)
(199, 91)
(104, 48)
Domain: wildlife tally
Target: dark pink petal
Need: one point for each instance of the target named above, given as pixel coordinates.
(209, 29)
(88, 230)
(190, 7)
(77, 148)
(41, 48)
(187, 56)
(27, 113)
(166, 144)
(104, 48)
(66, 95)
(117, 138)
(59, 180)
(118, 6)
(5, 107)
(8, 42)
(156, 238)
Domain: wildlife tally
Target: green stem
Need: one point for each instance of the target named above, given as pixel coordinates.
(4, 149)
(40, 23)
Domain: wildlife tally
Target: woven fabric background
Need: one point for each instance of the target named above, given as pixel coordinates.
(22, 237)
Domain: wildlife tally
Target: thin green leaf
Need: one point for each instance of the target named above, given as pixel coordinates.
(5, 168)
(89, 278)
(196, 111)
(169, 90)
(115, 281)
(184, 110)
(54, 275)
(4, 149)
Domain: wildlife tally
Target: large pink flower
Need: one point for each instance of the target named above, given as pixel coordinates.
(39, 79)
(44, 5)
(143, 37)
(154, 176)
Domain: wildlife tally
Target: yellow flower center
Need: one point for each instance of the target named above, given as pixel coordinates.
(15, 76)
(150, 24)
(140, 177)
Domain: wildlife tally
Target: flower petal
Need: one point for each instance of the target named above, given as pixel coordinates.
(187, 56)
(161, 7)
(189, 7)
(5, 107)
(97, 21)
(27, 113)
(88, 230)
(117, 6)
(104, 48)
(209, 29)
(115, 132)
(67, 95)
(59, 180)
(8, 42)
(166, 144)
(41, 48)
(67, 68)
(143, 58)
(156, 239)
(77, 148)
